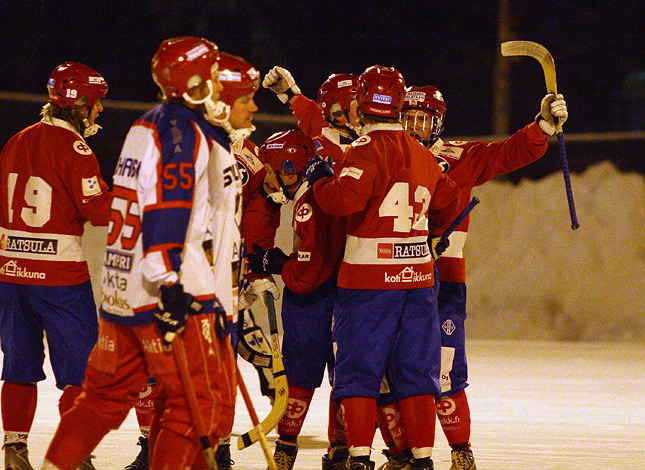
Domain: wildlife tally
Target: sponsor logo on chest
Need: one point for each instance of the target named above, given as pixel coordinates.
(12, 269)
(407, 274)
(402, 250)
(41, 246)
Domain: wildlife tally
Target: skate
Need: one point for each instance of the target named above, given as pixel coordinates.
(88, 465)
(359, 464)
(400, 461)
(223, 457)
(463, 460)
(422, 464)
(335, 459)
(16, 457)
(141, 461)
(285, 455)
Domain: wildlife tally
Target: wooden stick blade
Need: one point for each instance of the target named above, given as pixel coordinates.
(539, 53)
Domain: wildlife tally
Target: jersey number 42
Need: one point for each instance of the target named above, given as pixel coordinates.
(397, 204)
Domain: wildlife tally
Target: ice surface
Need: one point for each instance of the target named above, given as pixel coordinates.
(536, 405)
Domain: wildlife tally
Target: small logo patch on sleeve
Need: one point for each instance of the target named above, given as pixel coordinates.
(304, 255)
(352, 171)
(91, 186)
(82, 148)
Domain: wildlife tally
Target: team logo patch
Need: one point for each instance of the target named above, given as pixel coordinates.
(91, 186)
(448, 327)
(385, 99)
(366, 139)
(446, 406)
(355, 173)
(82, 148)
(304, 213)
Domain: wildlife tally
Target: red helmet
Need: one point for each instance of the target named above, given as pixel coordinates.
(338, 88)
(72, 80)
(237, 77)
(381, 91)
(287, 151)
(429, 100)
(179, 59)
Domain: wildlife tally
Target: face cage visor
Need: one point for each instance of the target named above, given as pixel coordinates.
(425, 126)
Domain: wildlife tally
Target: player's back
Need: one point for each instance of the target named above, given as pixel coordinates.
(52, 181)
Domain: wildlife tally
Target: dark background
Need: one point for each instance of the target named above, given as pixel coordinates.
(597, 46)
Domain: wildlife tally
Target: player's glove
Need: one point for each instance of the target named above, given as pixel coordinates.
(437, 245)
(269, 261)
(172, 312)
(552, 107)
(253, 289)
(317, 168)
(281, 82)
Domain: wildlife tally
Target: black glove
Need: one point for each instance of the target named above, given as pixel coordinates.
(437, 245)
(317, 168)
(267, 262)
(172, 311)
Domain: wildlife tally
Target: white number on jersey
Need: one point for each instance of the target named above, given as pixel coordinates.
(397, 204)
(38, 196)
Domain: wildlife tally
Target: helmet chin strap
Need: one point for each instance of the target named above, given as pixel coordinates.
(90, 129)
(234, 135)
(214, 109)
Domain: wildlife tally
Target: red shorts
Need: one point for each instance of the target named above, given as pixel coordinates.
(125, 357)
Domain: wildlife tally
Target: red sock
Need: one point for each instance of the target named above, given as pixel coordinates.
(291, 423)
(144, 407)
(454, 416)
(336, 425)
(391, 427)
(359, 414)
(66, 400)
(19, 402)
(419, 415)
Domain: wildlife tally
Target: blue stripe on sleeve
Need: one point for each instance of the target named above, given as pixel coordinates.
(164, 226)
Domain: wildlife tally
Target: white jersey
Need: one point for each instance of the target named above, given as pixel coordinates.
(175, 217)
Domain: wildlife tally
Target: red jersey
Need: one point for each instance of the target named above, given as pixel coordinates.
(261, 217)
(394, 194)
(318, 246)
(51, 185)
(471, 164)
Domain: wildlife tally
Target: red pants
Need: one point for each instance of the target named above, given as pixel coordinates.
(121, 363)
